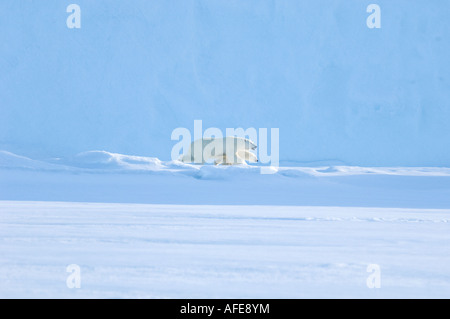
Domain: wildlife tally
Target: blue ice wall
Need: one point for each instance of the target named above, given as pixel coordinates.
(137, 69)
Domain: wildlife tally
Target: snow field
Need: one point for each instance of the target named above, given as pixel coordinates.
(185, 251)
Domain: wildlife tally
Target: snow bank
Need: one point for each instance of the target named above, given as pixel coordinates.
(10, 160)
(106, 162)
(100, 176)
(112, 161)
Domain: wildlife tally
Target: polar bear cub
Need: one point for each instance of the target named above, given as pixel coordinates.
(224, 151)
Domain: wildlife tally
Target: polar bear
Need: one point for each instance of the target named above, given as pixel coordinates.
(224, 151)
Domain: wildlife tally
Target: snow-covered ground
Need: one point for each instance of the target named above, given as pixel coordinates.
(141, 227)
(184, 251)
(99, 176)
(87, 117)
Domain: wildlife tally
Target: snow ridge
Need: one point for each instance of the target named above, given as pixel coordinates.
(107, 162)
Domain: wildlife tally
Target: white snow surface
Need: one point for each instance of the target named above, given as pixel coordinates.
(188, 251)
(364, 146)
(100, 176)
(103, 161)
(139, 227)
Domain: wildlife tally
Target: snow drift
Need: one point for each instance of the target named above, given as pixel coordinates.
(100, 176)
